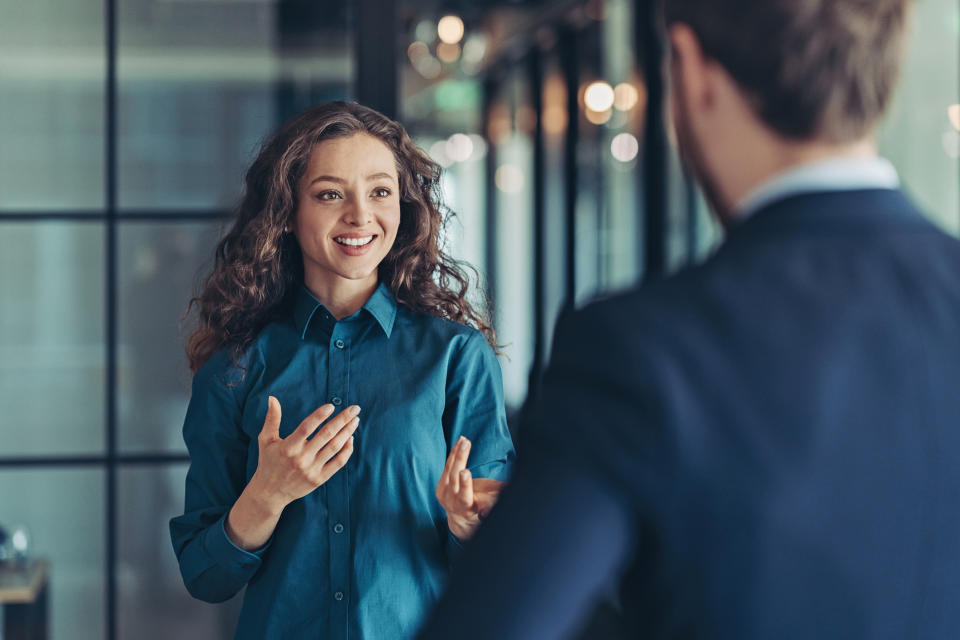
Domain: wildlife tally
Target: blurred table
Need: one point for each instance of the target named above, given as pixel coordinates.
(23, 594)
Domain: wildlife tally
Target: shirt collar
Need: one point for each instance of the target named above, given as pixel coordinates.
(833, 174)
(308, 310)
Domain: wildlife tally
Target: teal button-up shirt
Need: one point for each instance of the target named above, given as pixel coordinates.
(366, 554)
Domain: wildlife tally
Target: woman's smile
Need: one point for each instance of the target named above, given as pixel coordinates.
(355, 245)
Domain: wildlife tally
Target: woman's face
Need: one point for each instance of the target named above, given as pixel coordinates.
(348, 211)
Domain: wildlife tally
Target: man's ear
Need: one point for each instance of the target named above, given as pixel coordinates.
(690, 67)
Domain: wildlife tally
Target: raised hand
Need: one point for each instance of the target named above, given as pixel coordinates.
(467, 500)
(290, 468)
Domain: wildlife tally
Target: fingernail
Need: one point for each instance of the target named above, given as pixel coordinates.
(356, 422)
(464, 443)
(354, 409)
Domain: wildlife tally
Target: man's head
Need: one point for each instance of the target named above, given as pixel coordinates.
(775, 82)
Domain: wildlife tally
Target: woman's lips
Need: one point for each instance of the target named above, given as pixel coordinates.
(350, 245)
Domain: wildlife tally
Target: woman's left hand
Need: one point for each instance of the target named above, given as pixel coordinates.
(466, 499)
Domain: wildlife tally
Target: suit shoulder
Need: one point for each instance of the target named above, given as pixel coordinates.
(655, 308)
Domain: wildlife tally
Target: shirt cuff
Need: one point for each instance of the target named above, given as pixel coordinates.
(225, 553)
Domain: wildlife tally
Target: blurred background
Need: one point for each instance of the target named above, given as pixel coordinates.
(125, 129)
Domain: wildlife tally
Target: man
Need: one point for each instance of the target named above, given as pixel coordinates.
(766, 445)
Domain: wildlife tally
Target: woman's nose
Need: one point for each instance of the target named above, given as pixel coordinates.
(358, 214)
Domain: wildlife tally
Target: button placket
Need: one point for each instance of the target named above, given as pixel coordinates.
(339, 395)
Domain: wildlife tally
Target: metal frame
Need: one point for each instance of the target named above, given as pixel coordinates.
(649, 41)
(570, 63)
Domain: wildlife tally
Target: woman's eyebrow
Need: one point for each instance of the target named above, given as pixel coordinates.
(372, 176)
(328, 179)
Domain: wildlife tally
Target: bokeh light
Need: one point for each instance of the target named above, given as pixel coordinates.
(598, 117)
(598, 96)
(450, 29)
(953, 112)
(624, 147)
(509, 178)
(448, 52)
(459, 147)
(625, 96)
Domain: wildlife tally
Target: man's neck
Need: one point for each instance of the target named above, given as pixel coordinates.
(776, 158)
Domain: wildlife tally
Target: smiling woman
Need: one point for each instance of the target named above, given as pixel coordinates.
(347, 218)
(331, 294)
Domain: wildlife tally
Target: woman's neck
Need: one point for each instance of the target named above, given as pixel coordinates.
(342, 297)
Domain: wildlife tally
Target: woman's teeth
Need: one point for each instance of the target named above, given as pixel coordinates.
(354, 242)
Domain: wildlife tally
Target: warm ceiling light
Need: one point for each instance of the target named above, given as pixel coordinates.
(624, 147)
(450, 29)
(625, 96)
(416, 51)
(953, 112)
(598, 117)
(599, 96)
(448, 52)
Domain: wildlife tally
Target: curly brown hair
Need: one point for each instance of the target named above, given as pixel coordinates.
(258, 268)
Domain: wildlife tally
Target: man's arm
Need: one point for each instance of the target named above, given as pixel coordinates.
(551, 545)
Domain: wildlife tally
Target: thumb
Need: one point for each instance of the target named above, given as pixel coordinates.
(271, 425)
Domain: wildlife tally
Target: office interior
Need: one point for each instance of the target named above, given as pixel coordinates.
(125, 129)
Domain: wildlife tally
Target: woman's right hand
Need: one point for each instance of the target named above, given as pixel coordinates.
(290, 468)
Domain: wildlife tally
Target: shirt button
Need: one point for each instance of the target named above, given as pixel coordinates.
(339, 344)
(338, 596)
(338, 528)
(336, 401)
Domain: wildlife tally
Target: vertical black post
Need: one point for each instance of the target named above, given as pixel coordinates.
(375, 47)
(110, 200)
(570, 62)
(535, 80)
(650, 41)
(490, 87)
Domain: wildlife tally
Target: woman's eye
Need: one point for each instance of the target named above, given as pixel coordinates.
(381, 193)
(328, 195)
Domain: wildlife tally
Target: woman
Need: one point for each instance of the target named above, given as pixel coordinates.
(329, 296)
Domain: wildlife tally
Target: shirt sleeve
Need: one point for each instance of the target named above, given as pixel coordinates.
(474, 408)
(564, 528)
(212, 566)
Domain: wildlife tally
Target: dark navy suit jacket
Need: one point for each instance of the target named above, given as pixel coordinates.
(764, 446)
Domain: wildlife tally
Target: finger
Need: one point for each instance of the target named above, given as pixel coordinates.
(339, 460)
(445, 474)
(337, 442)
(334, 426)
(310, 424)
(460, 456)
(271, 424)
(465, 495)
